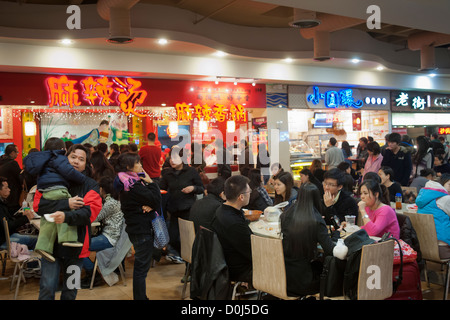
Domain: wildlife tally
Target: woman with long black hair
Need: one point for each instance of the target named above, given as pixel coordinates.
(307, 176)
(302, 227)
(423, 159)
(378, 216)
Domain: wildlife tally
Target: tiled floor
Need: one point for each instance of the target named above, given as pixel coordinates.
(163, 283)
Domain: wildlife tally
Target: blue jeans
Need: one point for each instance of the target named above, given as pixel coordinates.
(98, 243)
(50, 278)
(28, 239)
(143, 247)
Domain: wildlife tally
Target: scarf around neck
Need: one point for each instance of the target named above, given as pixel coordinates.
(128, 179)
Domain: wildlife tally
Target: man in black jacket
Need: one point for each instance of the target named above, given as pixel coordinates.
(232, 229)
(10, 169)
(398, 160)
(338, 202)
(203, 211)
(183, 183)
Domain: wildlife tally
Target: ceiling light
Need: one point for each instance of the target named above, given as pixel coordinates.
(288, 60)
(379, 68)
(355, 60)
(220, 54)
(253, 84)
(66, 41)
(162, 41)
(432, 75)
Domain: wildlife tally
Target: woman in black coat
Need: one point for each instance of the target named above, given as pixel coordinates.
(140, 197)
(183, 183)
(303, 227)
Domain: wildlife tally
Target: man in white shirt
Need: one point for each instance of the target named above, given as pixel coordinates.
(334, 155)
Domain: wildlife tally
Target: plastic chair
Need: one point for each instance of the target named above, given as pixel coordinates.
(19, 264)
(187, 237)
(429, 245)
(269, 273)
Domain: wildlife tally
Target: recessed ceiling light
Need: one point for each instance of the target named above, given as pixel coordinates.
(355, 60)
(66, 41)
(162, 41)
(379, 68)
(288, 60)
(220, 54)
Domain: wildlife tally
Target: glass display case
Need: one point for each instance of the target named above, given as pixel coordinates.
(302, 156)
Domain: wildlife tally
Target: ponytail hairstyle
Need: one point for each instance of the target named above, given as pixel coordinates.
(375, 187)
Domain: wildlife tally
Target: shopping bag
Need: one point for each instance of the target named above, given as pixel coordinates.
(161, 234)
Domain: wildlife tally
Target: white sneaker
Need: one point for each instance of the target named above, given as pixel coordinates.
(174, 259)
(72, 244)
(46, 255)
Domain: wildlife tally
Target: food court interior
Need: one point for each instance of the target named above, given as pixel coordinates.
(280, 45)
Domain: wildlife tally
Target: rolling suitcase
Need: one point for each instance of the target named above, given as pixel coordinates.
(410, 287)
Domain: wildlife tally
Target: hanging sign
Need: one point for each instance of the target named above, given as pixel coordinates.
(420, 101)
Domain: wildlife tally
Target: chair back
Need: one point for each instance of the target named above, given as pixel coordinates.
(8, 240)
(410, 189)
(375, 273)
(269, 273)
(187, 237)
(426, 233)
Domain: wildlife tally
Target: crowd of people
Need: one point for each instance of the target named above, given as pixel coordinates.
(116, 185)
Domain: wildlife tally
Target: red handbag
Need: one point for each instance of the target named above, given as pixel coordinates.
(409, 254)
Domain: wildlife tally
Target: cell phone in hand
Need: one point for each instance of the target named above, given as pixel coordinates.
(141, 174)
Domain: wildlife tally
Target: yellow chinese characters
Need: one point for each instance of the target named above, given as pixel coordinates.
(204, 112)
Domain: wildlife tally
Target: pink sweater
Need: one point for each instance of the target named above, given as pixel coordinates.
(373, 165)
(381, 221)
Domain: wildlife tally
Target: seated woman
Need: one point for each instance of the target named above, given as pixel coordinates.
(307, 176)
(434, 199)
(302, 227)
(285, 190)
(275, 169)
(259, 198)
(112, 219)
(440, 167)
(378, 217)
(317, 170)
(387, 174)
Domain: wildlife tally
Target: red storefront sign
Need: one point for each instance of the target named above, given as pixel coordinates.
(125, 93)
(96, 91)
(444, 130)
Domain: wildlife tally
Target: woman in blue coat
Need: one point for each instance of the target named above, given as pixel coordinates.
(434, 199)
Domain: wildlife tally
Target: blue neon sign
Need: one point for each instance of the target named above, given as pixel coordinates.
(334, 99)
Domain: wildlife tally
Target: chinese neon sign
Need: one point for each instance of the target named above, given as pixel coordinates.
(217, 112)
(334, 99)
(418, 102)
(96, 91)
(444, 130)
